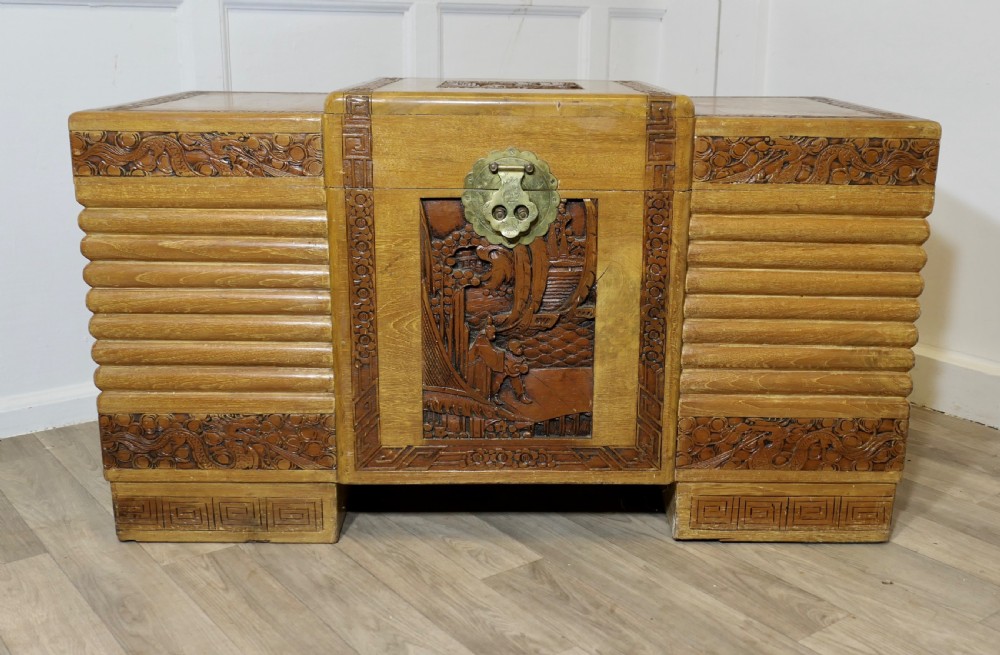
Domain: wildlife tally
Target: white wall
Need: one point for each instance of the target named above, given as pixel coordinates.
(938, 60)
(923, 57)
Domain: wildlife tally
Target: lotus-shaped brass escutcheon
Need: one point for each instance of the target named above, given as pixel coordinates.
(510, 197)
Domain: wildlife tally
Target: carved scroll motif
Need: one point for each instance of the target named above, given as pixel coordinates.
(218, 441)
(815, 160)
(509, 84)
(196, 154)
(359, 207)
(787, 444)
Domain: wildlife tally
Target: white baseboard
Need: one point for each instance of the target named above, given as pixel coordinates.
(957, 384)
(52, 408)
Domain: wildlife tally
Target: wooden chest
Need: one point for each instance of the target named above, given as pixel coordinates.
(418, 281)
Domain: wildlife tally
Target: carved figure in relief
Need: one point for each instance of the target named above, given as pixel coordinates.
(508, 332)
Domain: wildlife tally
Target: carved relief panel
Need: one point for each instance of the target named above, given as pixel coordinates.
(508, 333)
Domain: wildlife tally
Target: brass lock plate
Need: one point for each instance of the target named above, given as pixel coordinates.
(510, 197)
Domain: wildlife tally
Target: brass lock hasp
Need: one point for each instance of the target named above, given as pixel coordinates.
(510, 197)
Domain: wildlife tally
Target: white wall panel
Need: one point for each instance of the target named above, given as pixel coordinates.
(512, 41)
(635, 45)
(55, 60)
(319, 47)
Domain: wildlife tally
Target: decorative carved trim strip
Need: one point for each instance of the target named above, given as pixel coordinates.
(193, 154)
(218, 441)
(509, 84)
(790, 513)
(220, 513)
(359, 207)
(789, 444)
(815, 160)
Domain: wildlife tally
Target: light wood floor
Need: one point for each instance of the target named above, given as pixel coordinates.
(555, 581)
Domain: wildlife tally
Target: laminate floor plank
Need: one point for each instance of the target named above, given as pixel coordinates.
(17, 540)
(366, 613)
(950, 478)
(938, 542)
(470, 543)
(78, 448)
(41, 612)
(933, 581)
(860, 636)
(675, 610)
(461, 604)
(908, 619)
(601, 625)
(134, 597)
(978, 520)
(251, 606)
(747, 590)
(566, 583)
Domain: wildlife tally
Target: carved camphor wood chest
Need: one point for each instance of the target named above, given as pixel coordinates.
(419, 281)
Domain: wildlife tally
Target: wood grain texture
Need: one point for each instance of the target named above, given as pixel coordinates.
(797, 228)
(304, 512)
(200, 249)
(866, 383)
(17, 541)
(208, 402)
(756, 443)
(792, 405)
(224, 327)
(244, 606)
(218, 441)
(856, 308)
(213, 378)
(800, 332)
(208, 301)
(750, 356)
(806, 199)
(211, 275)
(244, 353)
(803, 282)
(75, 530)
(613, 581)
(224, 222)
(815, 160)
(782, 512)
(190, 154)
(41, 611)
(201, 193)
(444, 148)
(852, 257)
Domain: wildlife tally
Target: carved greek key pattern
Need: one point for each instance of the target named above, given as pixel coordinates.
(278, 514)
(196, 154)
(790, 513)
(789, 444)
(218, 441)
(815, 160)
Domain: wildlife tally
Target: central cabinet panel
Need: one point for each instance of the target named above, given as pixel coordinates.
(508, 333)
(503, 273)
